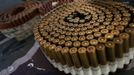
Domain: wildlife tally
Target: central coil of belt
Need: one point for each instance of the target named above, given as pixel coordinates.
(87, 34)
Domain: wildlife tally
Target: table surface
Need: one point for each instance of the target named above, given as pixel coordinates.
(40, 61)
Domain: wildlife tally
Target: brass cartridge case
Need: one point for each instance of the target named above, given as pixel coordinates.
(104, 31)
(110, 51)
(92, 56)
(74, 38)
(109, 36)
(131, 25)
(51, 49)
(102, 40)
(66, 56)
(120, 28)
(93, 42)
(61, 42)
(101, 56)
(77, 44)
(97, 34)
(67, 38)
(83, 57)
(46, 47)
(75, 58)
(85, 43)
(118, 47)
(130, 31)
(115, 32)
(82, 38)
(125, 37)
(59, 56)
(89, 37)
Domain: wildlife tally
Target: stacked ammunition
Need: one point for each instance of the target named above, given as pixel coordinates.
(88, 38)
(19, 21)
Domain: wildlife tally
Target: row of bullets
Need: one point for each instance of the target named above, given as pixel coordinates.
(84, 54)
(90, 34)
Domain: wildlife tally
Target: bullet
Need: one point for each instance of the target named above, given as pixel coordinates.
(61, 42)
(51, 51)
(104, 31)
(77, 29)
(83, 57)
(67, 38)
(110, 27)
(100, 20)
(106, 23)
(42, 43)
(90, 27)
(131, 25)
(102, 40)
(93, 42)
(130, 31)
(81, 21)
(74, 33)
(82, 38)
(81, 33)
(126, 14)
(102, 27)
(85, 43)
(68, 44)
(97, 34)
(125, 37)
(74, 56)
(40, 39)
(46, 48)
(84, 29)
(124, 23)
(51, 39)
(96, 24)
(56, 35)
(96, 29)
(59, 55)
(61, 36)
(67, 57)
(89, 37)
(118, 47)
(88, 17)
(74, 38)
(120, 28)
(110, 51)
(109, 36)
(101, 56)
(88, 31)
(115, 23)
(55, 41)
(68, 33)
(76, 44)
(117, 19)
(126, 19)
(115, 32)
(47, 37)
(108, 19)
(92, 56)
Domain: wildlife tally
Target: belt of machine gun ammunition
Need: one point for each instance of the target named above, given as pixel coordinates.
(87, 34)
(18, 15)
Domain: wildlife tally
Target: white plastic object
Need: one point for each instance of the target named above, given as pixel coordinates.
(105, 69)
(96, 70)
(79, 71)
(120, 63)
(87, 71)
(113, 66)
